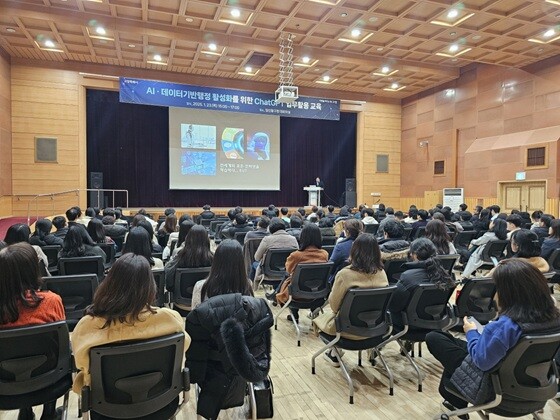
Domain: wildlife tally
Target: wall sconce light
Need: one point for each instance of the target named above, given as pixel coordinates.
(423, 143)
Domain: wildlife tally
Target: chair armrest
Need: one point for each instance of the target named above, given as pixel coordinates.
(186, 379)
(85, 401)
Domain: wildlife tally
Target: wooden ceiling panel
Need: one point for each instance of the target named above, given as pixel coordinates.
(402, 37)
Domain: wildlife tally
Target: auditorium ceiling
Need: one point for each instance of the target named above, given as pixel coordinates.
(388, 48)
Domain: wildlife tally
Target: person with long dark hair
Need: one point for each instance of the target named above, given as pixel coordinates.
(196, 253)
(341, 251)
(309, 252)
(481, 221)
(525, 306)
(74, 246)
(138, 242)
(497, 231)
(122, 310)
(423, 268)
(20, 232)
(185, 224)
(553, 241)
(43, 236)
(227, 274)
(365, 271)
(97, 232)
(22, 302)
(436, 232)
(525, 244)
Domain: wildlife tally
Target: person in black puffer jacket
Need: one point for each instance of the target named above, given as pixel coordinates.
(393, 246)
(230, 346)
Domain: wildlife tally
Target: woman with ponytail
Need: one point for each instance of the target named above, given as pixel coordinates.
(422, 268)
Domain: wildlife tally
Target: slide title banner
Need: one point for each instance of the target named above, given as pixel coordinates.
(152, 92)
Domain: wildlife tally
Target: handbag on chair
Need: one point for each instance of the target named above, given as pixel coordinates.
(263, 397)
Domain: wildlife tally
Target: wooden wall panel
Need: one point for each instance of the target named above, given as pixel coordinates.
(379, 132)
(5, 135)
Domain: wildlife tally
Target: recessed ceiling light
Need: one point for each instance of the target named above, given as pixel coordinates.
(231, 59)
(235, 13)
(394, 85)
(10, 30)
(189, 19)
(101, 30)
(379, 48)
(248, 69)
(385, 69)
(157, 57)
(131, 46)
(355, 33)
(453, 13)
(549, 33)
(344, 14)
(49, 43)
(212, 47)
(373, 19)
(476, 37)
(452, 33)
(326, 78)
(454, 48)
(305, 59)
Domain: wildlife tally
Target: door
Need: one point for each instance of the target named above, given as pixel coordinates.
(523, 196)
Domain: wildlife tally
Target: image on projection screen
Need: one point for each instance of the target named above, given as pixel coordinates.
(213, 150)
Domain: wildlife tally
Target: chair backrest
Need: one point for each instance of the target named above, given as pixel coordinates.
(476, 299)
(553, 260)
(162, 238)
(119, 241)
(206, 223)
(447, 261)
(364, 312)
(240, 237)
(76, 292)
(34, 358)
(407, 233)
(329, 249)
(136, 379)
(393, 269)
(494, 249)
(82, 265)
(159, 278)
(527, 371)
(214, 226)
(428, 307)
(328, 240)
(51, 251)
(109, 250)
(371, 228)
(249, 248)
(463, 239)
(420, 232)
(311, 281)
(185, 279)
(274, 265)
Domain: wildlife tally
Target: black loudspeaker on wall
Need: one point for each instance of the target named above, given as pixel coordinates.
(351, 198)
(95, 183)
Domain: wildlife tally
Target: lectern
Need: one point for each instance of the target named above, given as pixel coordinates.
(314, 195)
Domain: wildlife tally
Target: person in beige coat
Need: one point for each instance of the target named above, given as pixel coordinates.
(120, 313)
(365, 271)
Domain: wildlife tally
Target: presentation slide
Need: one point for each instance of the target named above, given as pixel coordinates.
(213, 150)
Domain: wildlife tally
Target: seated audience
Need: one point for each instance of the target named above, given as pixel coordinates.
(22, 303)
(74, 246)
(365, 271)
(43, 236)
(20, 232)
(326, 228)
(536, 218)
(341, 252)
(261, 231)
(544, 226)
(494, 211)
(119, 219)
(525, 245)
(437, 233)
(73, 214)
(422, 222)
(227, 274)
(524, 307)
(393, 246)
(309, 252)
(482, 222)
(285, 218)
(138, 243)
(389, 215)
(367, 217)
(412, 216)
(84, 220)
(313, 213)
(194, 254)
(123, 313)
(551, 243)
(240, 225)
(169, 225)
(96, 231)
(477, 211)
(380, 212)
(207, 213)
(225, 226)
(184, 228)
(330, 214)
(145, 224)
(497, 231)
(115, 232)
(59, 222)
(296, 222)
(148, 218)
(465, 220)
(278, 238)
(423, 268)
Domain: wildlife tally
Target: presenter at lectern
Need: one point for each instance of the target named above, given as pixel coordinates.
(319, 183)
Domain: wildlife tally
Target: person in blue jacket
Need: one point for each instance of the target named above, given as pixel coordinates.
(524, 304)
(341, 251)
